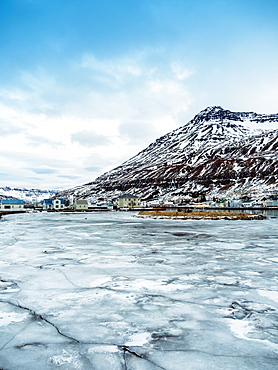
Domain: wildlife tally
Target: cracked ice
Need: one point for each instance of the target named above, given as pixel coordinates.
(110, 291)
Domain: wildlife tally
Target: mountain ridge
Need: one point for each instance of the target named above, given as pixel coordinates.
(7, 192)
(214, 154)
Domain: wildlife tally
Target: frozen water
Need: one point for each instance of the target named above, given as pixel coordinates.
(111, 291)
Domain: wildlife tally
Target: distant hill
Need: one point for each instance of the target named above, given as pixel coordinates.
(25, 194)
(215, 154)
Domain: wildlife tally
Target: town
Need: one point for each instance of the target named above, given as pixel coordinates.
(131, 202)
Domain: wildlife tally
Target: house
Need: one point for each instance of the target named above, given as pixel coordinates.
(11, 204)
(233, 203)
(53, 204)
(221, 203)
(81, 205)
(154, 203)
(129, 201)
(168, 203)
(270, 203)
(253, 203)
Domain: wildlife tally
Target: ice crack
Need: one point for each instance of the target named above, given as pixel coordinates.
(68, 278)
(126, 349)
(40, 317)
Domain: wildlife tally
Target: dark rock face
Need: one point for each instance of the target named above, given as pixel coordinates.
(215, 154)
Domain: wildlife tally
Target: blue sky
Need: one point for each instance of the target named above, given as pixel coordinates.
(87, 84)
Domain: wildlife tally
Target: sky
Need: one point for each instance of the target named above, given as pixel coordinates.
(85, 85)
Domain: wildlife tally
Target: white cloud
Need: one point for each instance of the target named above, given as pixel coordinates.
(113, 70)
(105, 113)
(8, 128)
(137, 132)
(180, 71)
(37, 141)
(89, 139)
(43, 170)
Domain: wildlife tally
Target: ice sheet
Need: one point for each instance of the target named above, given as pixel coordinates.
(111, 291)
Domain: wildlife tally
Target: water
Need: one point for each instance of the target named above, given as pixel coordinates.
(111, 291)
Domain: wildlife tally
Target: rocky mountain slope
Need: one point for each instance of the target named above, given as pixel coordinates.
(214, 154)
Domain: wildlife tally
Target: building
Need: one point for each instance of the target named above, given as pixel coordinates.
(270, 203)
(253, 203)
(129, 201)
(81, 205)
(54, 204)
(233, 203)
(155, 203)
(11, 204)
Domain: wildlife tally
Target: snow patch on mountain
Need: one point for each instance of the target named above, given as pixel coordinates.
(25, 194)
(217, 153)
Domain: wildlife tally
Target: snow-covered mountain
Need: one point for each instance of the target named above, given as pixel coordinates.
(25, 194)
(216, 153)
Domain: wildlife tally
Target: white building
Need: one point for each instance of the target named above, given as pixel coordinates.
(11, 204)
(53, 204)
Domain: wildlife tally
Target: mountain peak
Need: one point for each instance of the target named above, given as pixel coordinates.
(216, 123)
(212, 108)
(214, 153)
(217, 113)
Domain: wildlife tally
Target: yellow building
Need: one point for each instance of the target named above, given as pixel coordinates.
(81, 205)
(129, 201)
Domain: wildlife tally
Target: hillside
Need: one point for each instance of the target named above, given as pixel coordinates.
(214, 154)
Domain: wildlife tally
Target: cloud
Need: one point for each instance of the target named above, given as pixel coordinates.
(7, 128)
(6, 176)
(92, 169)
(180, 71)
(69, 177)
(89, 138)
(19, 158)
(89, 118)
(43, 170)
(36, 92)
(37, 141)
(142, 86)
(137, 132)
(109, 71)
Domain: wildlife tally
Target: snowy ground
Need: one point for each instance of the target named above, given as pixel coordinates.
(109, 291)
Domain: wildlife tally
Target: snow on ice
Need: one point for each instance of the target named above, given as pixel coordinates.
(111, 291)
